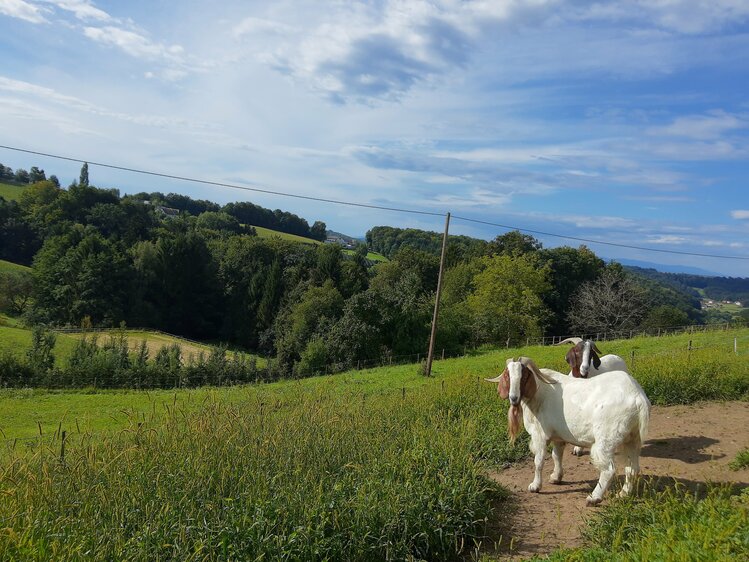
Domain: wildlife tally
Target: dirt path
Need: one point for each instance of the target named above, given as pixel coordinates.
(693, 444)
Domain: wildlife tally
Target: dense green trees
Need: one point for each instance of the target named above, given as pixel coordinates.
(102, 258)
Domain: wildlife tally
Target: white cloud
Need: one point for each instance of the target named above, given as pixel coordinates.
(22, 10)
(82, 9)
(133, 43)
(256, 26)
(667, 239)
(709, 126)
(740, 214)
(46, 95)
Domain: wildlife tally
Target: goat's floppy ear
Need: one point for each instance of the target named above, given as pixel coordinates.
(571, 358)
(528, 385)
(503, 388)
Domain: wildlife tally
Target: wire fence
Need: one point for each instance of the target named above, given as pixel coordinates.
(172, 405)
(187, 371)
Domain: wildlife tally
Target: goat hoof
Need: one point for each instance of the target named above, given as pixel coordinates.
(557, 480)
(623, 493)
(534, 488)
(577, 451)
(592, 502)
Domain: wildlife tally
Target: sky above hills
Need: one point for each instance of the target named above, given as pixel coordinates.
(623, 122)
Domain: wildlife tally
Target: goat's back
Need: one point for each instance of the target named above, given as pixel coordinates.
(610, 403)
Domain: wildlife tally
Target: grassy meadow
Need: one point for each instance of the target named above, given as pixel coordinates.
(11, 192)
(268, 233)
(380, 464)
(7, 266)
(16, 339)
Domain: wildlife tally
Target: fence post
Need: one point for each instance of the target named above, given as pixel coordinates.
(443, 353)
(633, 359)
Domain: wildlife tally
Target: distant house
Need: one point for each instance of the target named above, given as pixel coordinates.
(167, 212)
(737, 303)
(341, 241)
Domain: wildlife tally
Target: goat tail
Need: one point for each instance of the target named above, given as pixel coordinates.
(643, 412)
(513, 422)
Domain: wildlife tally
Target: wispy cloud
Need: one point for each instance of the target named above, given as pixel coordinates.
(134, 44)
(708, 126)
(22, 10)
(49, 95)
(740, 214)
(260, 26)
(82, 9)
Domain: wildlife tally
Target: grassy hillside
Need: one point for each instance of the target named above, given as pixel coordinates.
(16, 339)
(11, 191)
(657, 363)
(10, 266)
(369, 465)
(268, 233)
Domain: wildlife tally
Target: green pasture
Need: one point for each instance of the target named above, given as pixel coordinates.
(268, 233)
(8, 266)
(11, 191)
(379, 464)
(16, 339)
(670, 372)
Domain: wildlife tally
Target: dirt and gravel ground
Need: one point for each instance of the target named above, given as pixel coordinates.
(692, 444)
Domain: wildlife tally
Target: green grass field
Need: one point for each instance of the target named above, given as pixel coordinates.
(366, 465)
(11, 191)
(10, 266)
(268, 233)
(16, 339)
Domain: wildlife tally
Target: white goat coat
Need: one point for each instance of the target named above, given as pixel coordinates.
(611, 407)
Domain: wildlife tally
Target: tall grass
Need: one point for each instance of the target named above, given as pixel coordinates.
(320, 476)
(672, 524)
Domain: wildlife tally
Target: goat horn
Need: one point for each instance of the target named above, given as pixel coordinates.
(573, 341)
(495, 379)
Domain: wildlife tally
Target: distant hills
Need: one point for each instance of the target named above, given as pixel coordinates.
(664, 268)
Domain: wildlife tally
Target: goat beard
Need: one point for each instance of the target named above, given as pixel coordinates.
(513, 421)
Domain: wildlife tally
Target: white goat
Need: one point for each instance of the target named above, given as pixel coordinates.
(609, 414)
(583, 358)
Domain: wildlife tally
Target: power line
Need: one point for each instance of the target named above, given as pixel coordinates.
(365, 205)
(229, 185)
(602, 242)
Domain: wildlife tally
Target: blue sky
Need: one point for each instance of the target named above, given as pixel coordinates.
(625, 122)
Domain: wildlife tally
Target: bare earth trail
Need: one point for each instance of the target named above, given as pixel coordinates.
(692, 444)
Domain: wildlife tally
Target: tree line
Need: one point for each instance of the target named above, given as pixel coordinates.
(104, 259)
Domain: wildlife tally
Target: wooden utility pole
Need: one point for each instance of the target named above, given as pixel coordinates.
(430, 357)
